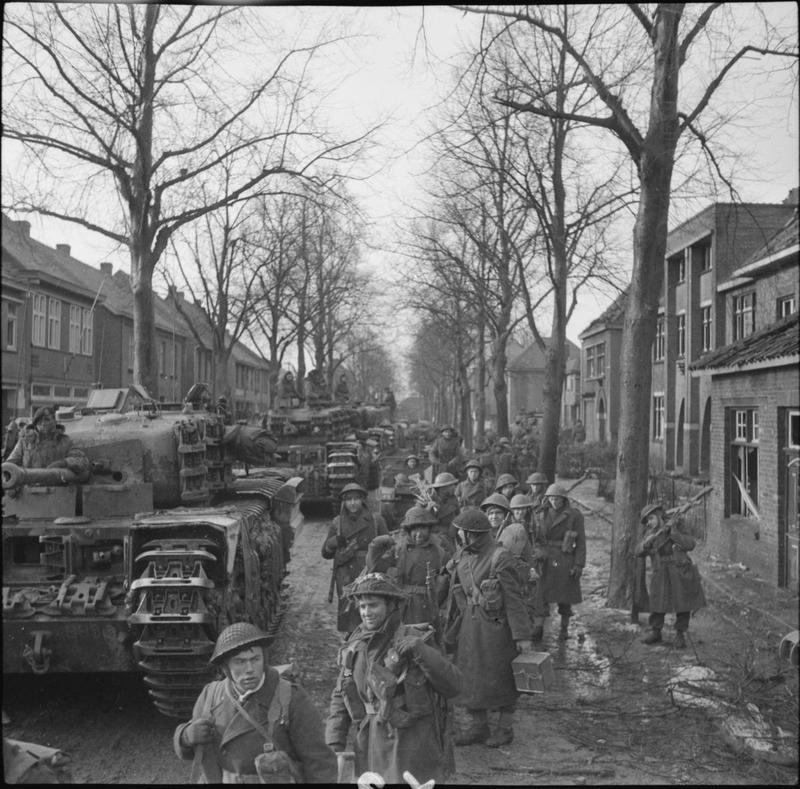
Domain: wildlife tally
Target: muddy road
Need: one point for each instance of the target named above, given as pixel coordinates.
(609, 718)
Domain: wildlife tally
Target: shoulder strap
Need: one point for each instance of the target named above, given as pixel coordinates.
(493, 563)
(279, 706)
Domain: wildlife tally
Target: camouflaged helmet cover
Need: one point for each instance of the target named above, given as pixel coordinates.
(418, 516)
(472, 520)
(495, 500)
(236, 637)
(378, 584)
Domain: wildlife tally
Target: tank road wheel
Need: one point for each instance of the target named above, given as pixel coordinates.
(173, 621)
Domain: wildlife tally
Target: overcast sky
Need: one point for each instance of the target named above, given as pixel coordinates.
(392, 71)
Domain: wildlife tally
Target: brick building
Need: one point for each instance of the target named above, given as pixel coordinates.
(752, 440)
(601, 343)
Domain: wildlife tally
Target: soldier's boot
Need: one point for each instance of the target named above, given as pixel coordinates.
(477, 731)
(680, 640)
(504, 733)
(562, 633)
(653, 636)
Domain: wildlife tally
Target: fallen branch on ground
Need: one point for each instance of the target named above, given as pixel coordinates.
(599, 771)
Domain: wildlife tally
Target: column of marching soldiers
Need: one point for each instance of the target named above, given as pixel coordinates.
(431, 614)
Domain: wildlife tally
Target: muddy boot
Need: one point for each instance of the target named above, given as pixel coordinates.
(477, 731)
(653, 636)
(501, 736)
(680, 640)
(562, 633)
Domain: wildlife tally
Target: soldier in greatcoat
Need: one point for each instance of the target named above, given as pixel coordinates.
(446, 453)
(347, 542)
(471, 491)
(675, 585)
(489, 626)
(393, 687)
(445, 507)
(235, 717)
(560, 551)
(413, 558)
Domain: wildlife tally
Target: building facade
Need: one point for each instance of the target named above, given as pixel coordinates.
(753, 435)
(601, 348)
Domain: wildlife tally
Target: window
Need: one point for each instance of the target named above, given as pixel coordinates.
(131, 346)
(794, 429)
(743, 461)
(682, 269)
(596, 360)
(39, 319)
(80, 392)
(41, 390)
(54, 324)
(202, 364)
(786, 306)
(704, 255)
(62, 391)
(162, 358)
(705, 322)
(87, 332)
(658, 343)
(74, 328)
(11, 327)
(658, 417)
(744, 315)
(682, 334)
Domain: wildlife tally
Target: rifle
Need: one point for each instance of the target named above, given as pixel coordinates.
(333, 563)
(422, 493)
(689, 504)
(431, 595)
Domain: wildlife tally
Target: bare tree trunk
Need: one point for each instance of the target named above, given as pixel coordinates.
(500, 387)
(145, 367)
(650, 237)
(480, 395)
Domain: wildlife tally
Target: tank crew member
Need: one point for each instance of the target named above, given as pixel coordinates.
(445, 508)
(342, 392)
(348, 538)
(392, 687)
(412, 465)
(489, 625)
(290, 396)
(446, 453)
(43, 445)
(560, 549)
(235, 717)
(675, 585)
(506, 484)
(471, 491)
(414, 559)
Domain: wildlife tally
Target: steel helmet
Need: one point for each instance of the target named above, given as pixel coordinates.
(353, 487)
(520, 501)
(446, 428)
(473, 463)
(503, 480)
(374, 583)
(418, 516)
(444, 479)
(495, 500)
(472, 520)
(556, 490)
(649, 509)
(537, 478)
(236, 637)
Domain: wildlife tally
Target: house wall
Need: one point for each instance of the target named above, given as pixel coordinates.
(754, 543)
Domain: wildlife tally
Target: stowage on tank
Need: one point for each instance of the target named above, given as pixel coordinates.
(140, 566)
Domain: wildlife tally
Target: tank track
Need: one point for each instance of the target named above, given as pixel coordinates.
(174, 621)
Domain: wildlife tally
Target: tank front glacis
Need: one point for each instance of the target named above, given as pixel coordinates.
(311, 442)
(141, 566)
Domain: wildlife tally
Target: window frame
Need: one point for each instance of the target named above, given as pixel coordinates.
(743, 311)
(680, 333)
(743, 456)
(39, 320)
(75, 327)
(54, 323)
(658, 416)
(12, 326)
(659, 344)
(87, 331)
(782, 303)
(706, 324)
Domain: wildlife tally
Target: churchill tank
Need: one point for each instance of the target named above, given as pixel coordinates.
(139, 566)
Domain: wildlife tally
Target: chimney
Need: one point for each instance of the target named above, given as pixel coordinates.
(175, 293)
(63, 249)
(24, 227)
(106, 268)
(791, 198)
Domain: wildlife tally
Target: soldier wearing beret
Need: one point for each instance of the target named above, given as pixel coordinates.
(43, 445)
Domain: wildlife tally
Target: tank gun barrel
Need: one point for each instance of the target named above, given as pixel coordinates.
(14, 476)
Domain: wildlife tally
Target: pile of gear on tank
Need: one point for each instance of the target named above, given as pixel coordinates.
(443, 584)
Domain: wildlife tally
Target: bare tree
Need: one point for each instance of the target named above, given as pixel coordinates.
(632, 57)
(141, 102)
